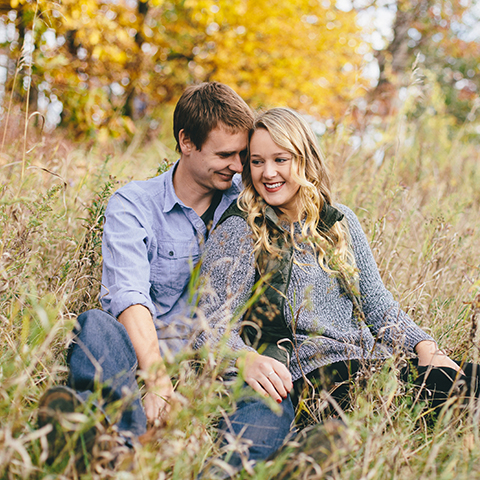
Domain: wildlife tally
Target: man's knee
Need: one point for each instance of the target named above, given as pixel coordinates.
(96, 319)
(100, 335)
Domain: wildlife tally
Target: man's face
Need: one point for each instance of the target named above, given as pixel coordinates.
(220, 158)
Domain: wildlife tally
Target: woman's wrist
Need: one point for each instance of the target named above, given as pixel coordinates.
(428, 352)
(246, 358)
(426, 347)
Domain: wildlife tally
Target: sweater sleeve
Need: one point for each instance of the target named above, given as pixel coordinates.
(228, 275)
(383, 314)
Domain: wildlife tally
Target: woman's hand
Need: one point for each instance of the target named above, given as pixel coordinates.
(266, 375)
(429, 354)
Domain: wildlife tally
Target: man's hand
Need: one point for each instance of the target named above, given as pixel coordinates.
(266, 375)
(138, 322)
(158, 400)
(429, 354)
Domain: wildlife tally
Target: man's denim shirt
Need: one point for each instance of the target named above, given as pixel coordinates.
(151, 242)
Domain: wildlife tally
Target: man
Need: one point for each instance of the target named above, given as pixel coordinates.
(154, 230)
(153, 235)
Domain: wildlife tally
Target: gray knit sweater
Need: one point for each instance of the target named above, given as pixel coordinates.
(326, 328)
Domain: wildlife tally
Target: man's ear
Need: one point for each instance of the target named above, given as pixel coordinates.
(186, 145)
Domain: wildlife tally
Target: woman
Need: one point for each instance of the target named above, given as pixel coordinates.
(337, 315)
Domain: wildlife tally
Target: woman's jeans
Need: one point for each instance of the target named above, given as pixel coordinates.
(103, 355)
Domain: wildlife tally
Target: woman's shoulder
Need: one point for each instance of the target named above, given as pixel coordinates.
(357, 236)
(355, 228)
(233, 230)
(351, 217)
(234, 223)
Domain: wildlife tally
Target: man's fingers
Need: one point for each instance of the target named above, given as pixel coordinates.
(156, 407)
(158, 417)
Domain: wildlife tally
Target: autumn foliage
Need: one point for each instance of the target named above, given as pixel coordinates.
(111, 62)
(106, 64)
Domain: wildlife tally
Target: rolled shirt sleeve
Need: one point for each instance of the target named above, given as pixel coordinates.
(125, 249)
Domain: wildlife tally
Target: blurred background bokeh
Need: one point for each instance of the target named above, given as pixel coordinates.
(97, 68)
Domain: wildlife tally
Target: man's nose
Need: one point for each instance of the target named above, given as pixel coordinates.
(236, 165)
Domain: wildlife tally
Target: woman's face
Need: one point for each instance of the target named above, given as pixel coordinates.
(271, 173)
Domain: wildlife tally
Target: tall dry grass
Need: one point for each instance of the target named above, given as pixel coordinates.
(419, 207)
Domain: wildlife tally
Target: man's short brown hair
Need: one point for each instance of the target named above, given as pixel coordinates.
(202, 107)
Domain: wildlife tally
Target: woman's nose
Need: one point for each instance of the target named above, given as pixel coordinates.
(269, 170)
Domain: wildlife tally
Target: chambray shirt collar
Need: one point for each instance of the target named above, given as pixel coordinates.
(232, 193)
(171, 198)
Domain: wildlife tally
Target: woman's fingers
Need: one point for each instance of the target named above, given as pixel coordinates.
(281, 379)
(257, 387)
(443, 360)
(284, 375)
(275, 381)
(267, 376)
(429, 354)
(271, 386)
(271, 390)
(263, 385)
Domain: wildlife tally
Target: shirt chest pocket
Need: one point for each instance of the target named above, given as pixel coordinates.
(170, 270)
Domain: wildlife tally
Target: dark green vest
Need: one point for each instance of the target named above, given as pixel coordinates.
(264, 326)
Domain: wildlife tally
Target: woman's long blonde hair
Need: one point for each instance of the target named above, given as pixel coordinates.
(293, 134)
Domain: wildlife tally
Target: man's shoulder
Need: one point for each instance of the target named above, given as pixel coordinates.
(143, 190)
(144, 199)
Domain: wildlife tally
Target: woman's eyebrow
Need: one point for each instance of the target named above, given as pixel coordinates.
(276, 154)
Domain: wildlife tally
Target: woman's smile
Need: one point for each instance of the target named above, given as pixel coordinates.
(274, 187)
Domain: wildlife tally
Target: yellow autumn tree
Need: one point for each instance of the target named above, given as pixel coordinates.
(109, 62)
(300, 53)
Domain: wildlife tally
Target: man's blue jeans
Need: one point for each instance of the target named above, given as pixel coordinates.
(102, 354)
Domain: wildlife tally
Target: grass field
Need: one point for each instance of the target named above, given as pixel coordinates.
(416, 191)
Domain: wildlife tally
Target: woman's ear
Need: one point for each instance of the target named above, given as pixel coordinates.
(186, 145)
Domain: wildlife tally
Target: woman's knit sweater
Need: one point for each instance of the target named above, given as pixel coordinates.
(325, 328)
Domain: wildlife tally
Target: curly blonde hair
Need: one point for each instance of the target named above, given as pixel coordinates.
(292, 133)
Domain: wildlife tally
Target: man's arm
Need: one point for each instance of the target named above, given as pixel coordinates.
(138, 322)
